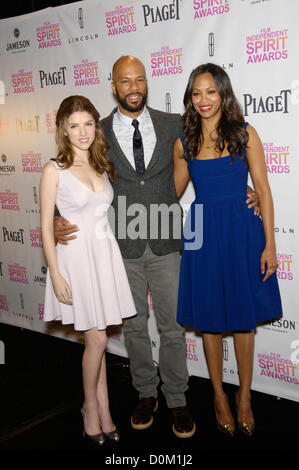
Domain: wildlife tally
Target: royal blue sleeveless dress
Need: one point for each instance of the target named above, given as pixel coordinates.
(221, 286)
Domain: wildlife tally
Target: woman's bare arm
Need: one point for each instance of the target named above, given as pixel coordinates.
(180, 168)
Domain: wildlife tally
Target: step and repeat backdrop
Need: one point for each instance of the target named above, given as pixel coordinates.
(57, 52)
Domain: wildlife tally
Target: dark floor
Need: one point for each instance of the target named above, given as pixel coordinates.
(41, 395)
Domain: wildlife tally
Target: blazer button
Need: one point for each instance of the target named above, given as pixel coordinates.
(142, 182)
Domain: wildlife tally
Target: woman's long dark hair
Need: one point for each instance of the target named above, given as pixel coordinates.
(98, 149)
(230, 130)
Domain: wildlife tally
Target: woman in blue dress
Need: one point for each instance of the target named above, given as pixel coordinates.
(229, 282)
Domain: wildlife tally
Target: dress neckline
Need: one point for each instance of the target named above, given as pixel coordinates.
(83, 184)
(207, 159)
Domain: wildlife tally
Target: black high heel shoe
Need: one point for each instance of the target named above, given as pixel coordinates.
(98, 439)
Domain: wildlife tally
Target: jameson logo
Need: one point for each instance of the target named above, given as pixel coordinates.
(166, 12)
(270, 104)
(41, 280)
(19, 45)
(52, 78)
(6, 169)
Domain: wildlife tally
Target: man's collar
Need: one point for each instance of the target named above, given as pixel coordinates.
(128, 120)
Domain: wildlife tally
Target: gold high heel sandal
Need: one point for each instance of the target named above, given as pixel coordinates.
(228, 429)
(98, 439)
(245, 427)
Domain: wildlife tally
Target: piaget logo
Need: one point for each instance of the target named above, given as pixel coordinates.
(167, 61)
(27, 125)
(269, 104)
(267, 46)
(165, 12)
(86, 73)
(120, 21)
(52, 78)
(205, 8)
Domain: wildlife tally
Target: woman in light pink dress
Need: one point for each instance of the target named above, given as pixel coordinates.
(87, 285)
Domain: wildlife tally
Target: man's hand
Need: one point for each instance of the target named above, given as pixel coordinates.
(63, 228)
(253, 200)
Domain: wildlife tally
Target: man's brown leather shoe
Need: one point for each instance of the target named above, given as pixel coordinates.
(183, 424)
(142, 417)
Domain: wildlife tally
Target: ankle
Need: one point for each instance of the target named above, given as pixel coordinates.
(243, 395)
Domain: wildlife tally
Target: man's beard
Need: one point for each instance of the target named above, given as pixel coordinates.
(128, 107)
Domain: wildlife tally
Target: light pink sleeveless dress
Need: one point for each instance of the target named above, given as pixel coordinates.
(92, 263)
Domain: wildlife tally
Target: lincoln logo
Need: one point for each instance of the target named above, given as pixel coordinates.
(211, 44)
(225, 350)
(21, 301)
(35, 198)
(80, 18)
(168, 103)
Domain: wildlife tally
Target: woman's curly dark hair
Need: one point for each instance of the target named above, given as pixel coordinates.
(230, 130)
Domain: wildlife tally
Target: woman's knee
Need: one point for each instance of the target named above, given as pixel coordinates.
(97, 339)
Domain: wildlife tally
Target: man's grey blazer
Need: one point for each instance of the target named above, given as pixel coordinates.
(152, 193)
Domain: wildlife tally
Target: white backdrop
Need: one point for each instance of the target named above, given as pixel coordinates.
(48, 55)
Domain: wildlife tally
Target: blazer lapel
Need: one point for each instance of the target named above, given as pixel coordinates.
(161, 136)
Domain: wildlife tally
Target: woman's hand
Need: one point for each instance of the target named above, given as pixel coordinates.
(62, 289)
(268, 258)
(253, 201)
